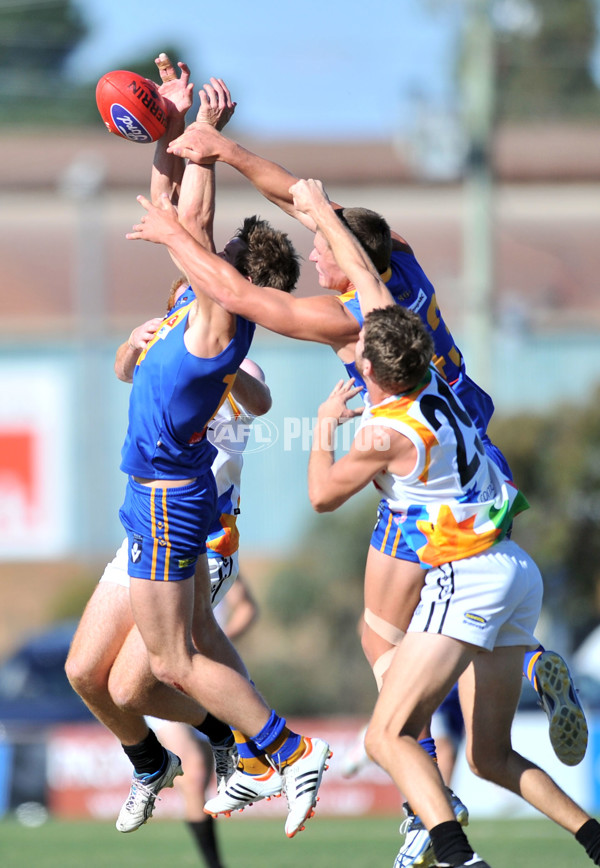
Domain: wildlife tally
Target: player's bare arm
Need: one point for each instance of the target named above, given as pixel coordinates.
(251, 390)
(197, 200)
(177, 91)
(321, 319)
(210, 326)
(270, 179)
(331, 482)
(196, 214)
(196, 208)
(129, 351)
(310, 198)
(242, 607)
(374, 448)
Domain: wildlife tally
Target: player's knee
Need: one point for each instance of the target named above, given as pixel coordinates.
(125, 697)
(482, 770)
(73, 672)
(166, 670)
(375, 743)
(131, 691)
(487, 763)
(86, 679)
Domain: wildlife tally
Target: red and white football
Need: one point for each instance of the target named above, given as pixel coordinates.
(131, 106)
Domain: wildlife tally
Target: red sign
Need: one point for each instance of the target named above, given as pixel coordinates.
(17, 474)
(36, 433)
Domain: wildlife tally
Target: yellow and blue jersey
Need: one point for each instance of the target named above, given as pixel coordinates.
(411, 288)
(174, 396)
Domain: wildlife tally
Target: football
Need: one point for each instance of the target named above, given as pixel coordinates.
(131, 106)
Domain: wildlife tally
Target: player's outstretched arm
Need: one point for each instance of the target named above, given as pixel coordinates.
(177, 91)
(197, 197)
(217, 278)
(272, 180)
(310, 198)
(322, 318)
(201, 145)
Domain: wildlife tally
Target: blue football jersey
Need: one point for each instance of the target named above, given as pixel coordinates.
(412, 289)
(173, 398)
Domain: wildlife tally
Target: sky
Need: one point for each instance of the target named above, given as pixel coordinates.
(297, 68)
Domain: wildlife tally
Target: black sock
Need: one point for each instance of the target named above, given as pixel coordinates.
(148, 757)
(589, 837)
(216, 732)
(450, 843)
(206, 841)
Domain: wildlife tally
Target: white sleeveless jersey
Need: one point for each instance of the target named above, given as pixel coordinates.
(456, 502)
(229, 432)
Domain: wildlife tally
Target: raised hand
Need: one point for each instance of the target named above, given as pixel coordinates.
(335, 406)
(177, 91)
(159, 224)
(200, 143)
(216, 105)
(309, 195)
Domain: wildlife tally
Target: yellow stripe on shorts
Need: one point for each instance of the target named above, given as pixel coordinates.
(153, 528)
(396, 541)
(166, 532)
(386, 534)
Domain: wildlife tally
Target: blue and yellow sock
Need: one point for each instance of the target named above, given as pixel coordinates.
(281, 744)
(252, 761)
(531, 658)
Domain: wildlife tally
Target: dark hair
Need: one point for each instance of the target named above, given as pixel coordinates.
(398, 346)
(373, 232)
(269, 258)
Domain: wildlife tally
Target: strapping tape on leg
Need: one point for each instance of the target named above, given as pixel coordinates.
(381, 666)
(387, 631)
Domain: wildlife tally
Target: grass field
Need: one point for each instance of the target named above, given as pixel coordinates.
(326, 843)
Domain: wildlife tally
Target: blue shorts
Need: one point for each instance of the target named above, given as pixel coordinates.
(387, 535)
(167, 527)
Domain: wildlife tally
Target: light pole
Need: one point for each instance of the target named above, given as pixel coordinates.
(477, 89)
(83, 183)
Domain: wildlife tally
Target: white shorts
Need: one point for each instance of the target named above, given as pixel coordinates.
(157, 723)
(490, 600)
(223, 572)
